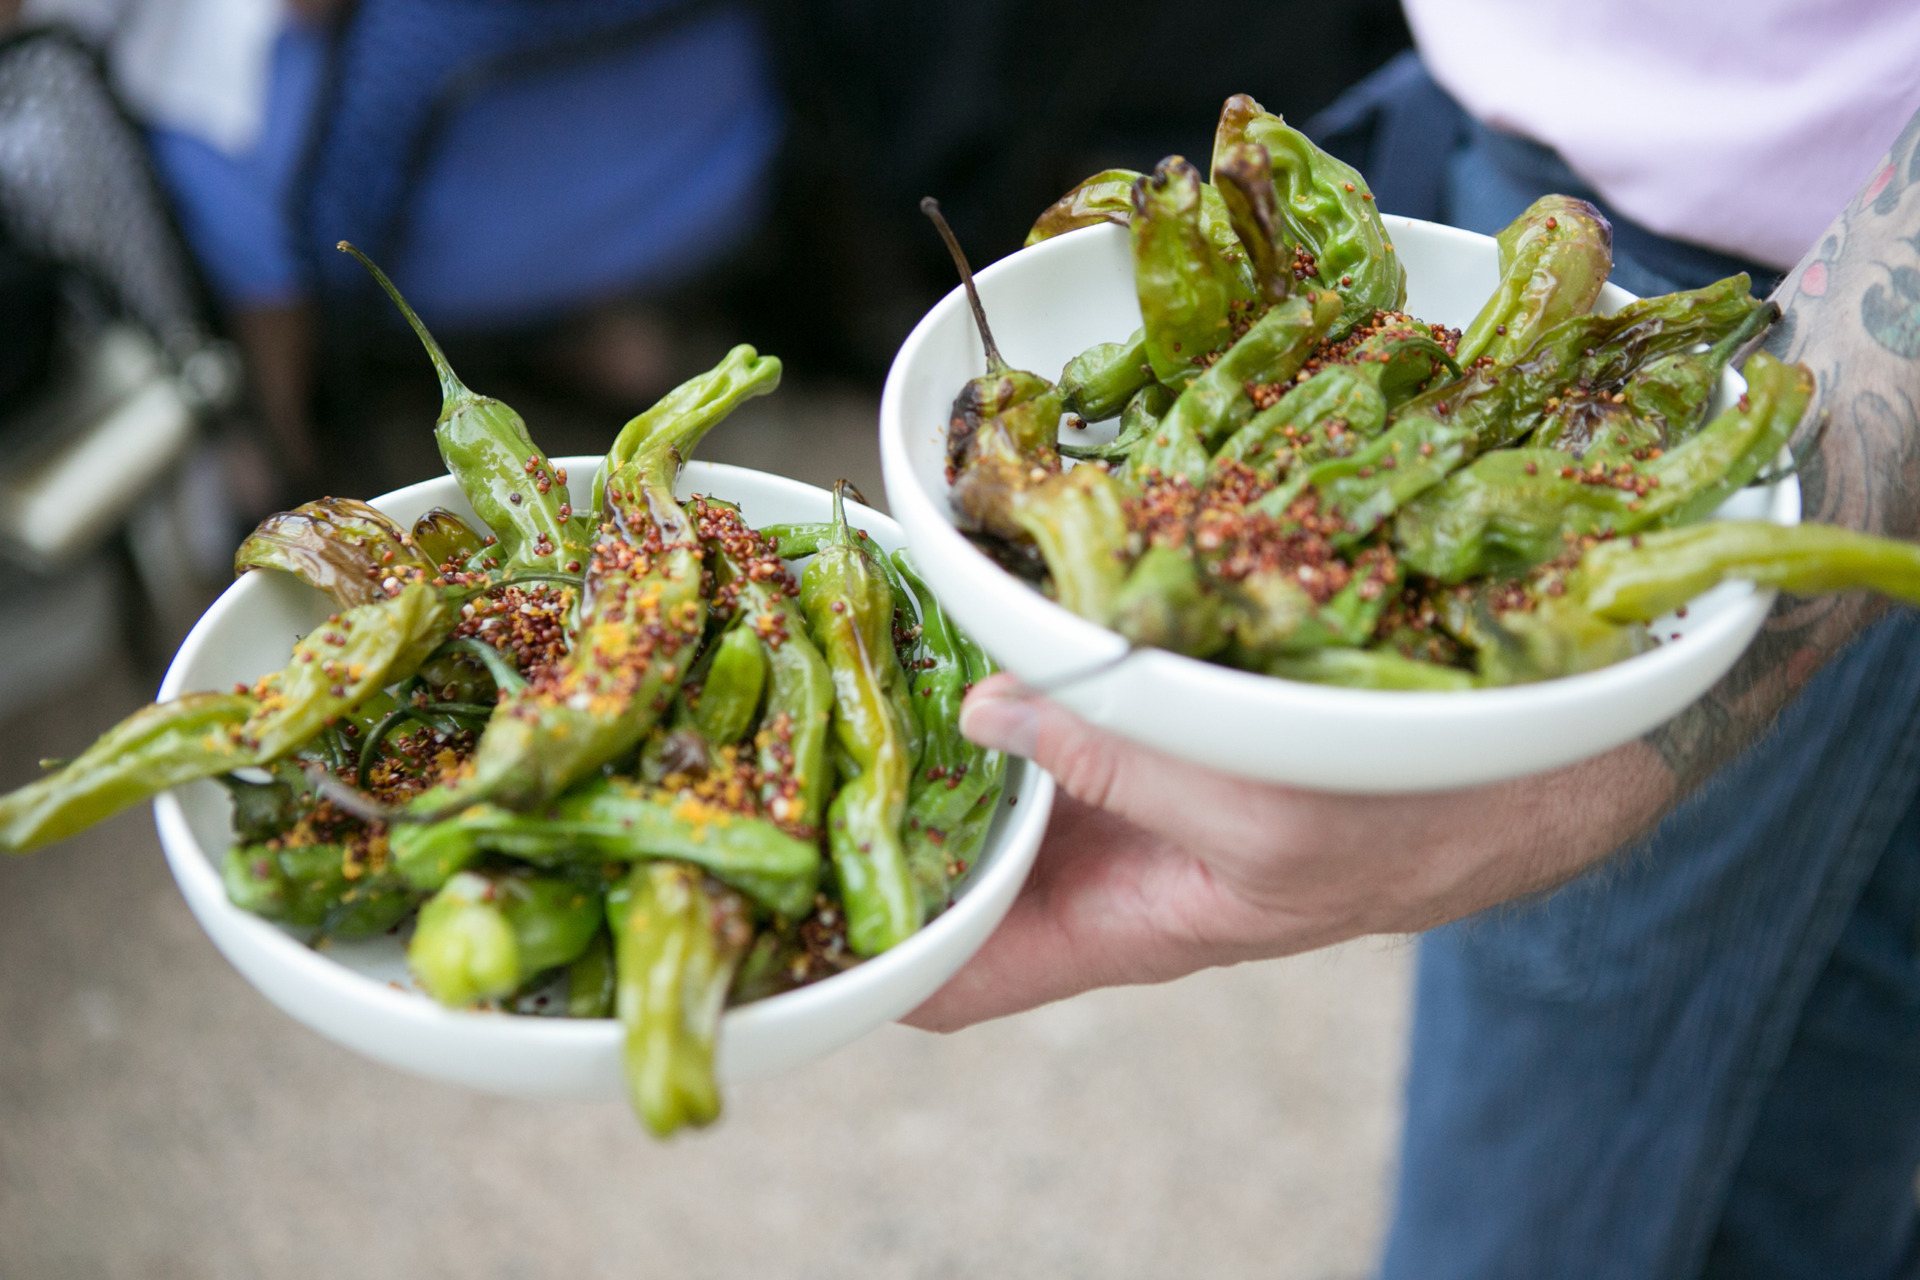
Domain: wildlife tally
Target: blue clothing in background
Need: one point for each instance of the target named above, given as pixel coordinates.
(235, 210)
(1703, 1057)
(508, 159)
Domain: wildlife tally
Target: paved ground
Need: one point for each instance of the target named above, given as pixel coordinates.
(158, 1119)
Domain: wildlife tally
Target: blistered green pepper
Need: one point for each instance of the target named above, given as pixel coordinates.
(849, 609)
(1541, 638)
(1515, 508)
(342, 547)
(954, 775)
(1098, 383)
(1216, 403)
(1327, 209)
(1554, 260)
(1002, 431)
(1137, 423)
(1164, 604)
(730, 696)
(676, 946)
(1079, 522)
(320, 887)
(1186, 291)
(1243, 174)
(513, 486)
(1639, 579)
(485, 935)
(640, 621)
(445, 539)
(1105, 197)
(619, 820)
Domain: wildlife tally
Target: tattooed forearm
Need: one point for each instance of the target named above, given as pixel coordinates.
(1851, 312)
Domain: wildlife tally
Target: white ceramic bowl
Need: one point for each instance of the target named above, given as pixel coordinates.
(1052, 301)
(360, 993)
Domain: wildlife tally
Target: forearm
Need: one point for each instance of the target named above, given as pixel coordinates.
(1851, 312)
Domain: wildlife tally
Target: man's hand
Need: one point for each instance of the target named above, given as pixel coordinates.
(1154, 868)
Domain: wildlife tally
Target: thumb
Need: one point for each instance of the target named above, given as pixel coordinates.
(1191, 806)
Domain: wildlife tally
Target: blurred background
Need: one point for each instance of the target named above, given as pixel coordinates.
(587, 201)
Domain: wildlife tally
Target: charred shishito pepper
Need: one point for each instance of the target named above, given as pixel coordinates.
(640, 619)
(849, 608)
(514, 487)
(1000, 438)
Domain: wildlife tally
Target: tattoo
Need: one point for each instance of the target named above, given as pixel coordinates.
(1851, 313)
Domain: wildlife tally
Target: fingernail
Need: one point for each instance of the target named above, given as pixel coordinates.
(1005, 721)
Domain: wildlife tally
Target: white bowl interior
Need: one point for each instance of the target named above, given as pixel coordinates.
(361, 994)
(1052, 301)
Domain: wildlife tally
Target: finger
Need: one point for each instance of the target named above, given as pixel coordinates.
(1108, 904)
(1187, 804)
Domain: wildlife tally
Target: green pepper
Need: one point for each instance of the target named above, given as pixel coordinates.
(1137, 422)
(158, 746)
(1327, 416)
(1639, 579)
(618, 819)
(1079, 522)
(1186, 289)
(1243, 174)
(342, 547)
(1369, 669)
(1326, 208)
(1105, 197)
(791, 744)
(1514, 508)
(591, 980)
(318, 887)
(1002, 432)
(1164, 604)
(849, 610)
(676, 946)
(514, 488)
(639, 624)
(485, 935)
(730, 695)
(1541, 638)
(955, 776)
(1554, 260)
(1216, 403)
(1098, 383)
(445, 539)
(340, 665)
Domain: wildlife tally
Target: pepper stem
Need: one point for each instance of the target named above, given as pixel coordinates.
(451, 388)
(931, 207)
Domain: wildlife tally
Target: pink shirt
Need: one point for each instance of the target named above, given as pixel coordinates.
(1740, 126)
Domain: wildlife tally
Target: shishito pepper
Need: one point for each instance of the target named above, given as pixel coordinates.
(317, 887)
(1639, 579)
(849, 609)
(1554, 259)
(340, 546)
(1326, 207)
(619, 820)
(1105, 197)
(1079, 522)
(676, 945)
(1000, 436)
(1186, 288)
(955, 778)
(484, 935)
(1243, 175)
(513, 486)
(640, 621)
(1216, 403)
(338, 666)
(1098, 383)
(1514, 508)
(1137, 422)
(791, 743)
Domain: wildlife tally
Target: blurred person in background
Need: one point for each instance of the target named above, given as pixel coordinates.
(1701, 1057)
(509, 161)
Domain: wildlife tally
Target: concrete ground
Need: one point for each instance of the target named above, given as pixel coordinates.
(158, 1119)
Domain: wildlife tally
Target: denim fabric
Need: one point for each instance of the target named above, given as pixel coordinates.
(1703, 1057)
